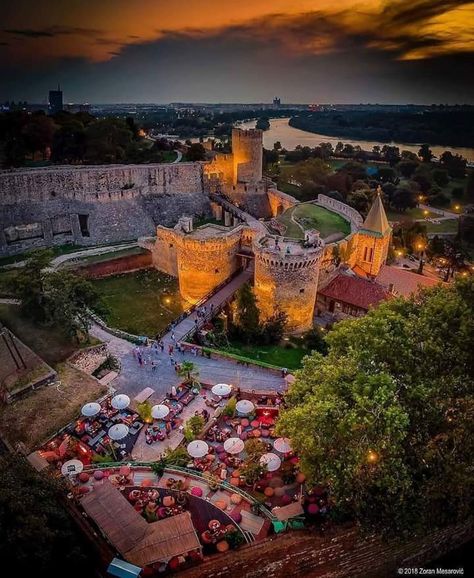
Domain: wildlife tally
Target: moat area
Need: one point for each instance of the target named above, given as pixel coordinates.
(142, 302)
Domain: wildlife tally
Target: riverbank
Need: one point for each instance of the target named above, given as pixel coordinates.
(290, 137)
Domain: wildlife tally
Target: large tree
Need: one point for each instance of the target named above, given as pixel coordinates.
(55, 298)
(37, 537)
(386, 420)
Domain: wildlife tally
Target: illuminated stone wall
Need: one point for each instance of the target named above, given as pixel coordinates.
(92, 205)
(279, 202)
(371, 252)
(287, 282)
(247, 150)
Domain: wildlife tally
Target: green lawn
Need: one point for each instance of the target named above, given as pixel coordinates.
(49, 343)
(447, 226)
(142, 303)
(413, 214)
(310, 216)
(6, 278)
(273, 354)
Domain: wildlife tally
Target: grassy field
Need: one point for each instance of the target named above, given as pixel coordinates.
(49, 343)
(309, 216)
(32, 419)
(273, 354)
(413, 214)
(447, 226)
(141, 303)
(6, 278)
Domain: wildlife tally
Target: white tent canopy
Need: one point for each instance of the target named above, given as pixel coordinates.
(282, 445)
(120, 401)
(160, 411)
(272, 461)
(244, 406)
(233, 445)
(118, 431)
(197, 449)
(72, 467)
(90, 409)
(221, 389)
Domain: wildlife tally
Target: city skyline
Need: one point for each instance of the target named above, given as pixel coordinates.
(149, 52)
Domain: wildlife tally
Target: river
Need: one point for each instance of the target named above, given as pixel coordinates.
(291, 137)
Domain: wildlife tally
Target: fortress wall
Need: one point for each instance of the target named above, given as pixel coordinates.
(203, 264)
(88, 183)
(279, 201)
(221, 167)
(164, 251)
(89, 205)
(252, 198)
(342, 209)
(287, 283)
(247, 150)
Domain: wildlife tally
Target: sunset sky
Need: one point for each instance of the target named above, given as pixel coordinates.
(245, 51)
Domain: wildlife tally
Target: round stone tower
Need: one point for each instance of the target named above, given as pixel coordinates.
(286, 278)
(247, 151)
(206, 258)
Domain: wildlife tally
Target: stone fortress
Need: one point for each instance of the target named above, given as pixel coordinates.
(106, 204)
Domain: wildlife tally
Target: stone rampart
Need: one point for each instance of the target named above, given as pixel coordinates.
(279, 201)
(354, 218)
(93, 205)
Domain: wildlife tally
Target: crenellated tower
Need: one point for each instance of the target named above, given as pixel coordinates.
(286, 278)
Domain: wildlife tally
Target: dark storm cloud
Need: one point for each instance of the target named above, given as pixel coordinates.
(314, 57)
(417, 11)
(52, 31)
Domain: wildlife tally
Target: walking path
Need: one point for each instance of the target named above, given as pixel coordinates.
(133, 377)
(57, 261)
(215, 302)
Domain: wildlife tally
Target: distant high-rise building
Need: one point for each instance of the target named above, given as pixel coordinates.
(276, 102)
(55, 101)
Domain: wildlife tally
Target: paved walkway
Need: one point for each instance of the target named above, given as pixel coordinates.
(57, 261)
(133, 377)
(217, 300)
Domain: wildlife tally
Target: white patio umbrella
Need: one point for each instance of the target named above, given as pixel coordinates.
(159, 411)
(118, 431)
(233, 445)
(72, 467)
(272, 461)
(282, 445)
(120, 401)
(197, 449)
(244, 406)
(90, 409)
(221, 389)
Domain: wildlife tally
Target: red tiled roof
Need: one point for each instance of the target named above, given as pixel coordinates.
(355, 291)
(404, 282)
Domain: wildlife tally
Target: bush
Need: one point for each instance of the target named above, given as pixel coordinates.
(229, 409)
(144, 411)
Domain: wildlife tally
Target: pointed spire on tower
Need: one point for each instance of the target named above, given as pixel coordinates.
(376, 221)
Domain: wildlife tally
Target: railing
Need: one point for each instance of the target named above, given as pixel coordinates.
(193, 474)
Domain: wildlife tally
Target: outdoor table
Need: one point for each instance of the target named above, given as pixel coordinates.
(222, 546)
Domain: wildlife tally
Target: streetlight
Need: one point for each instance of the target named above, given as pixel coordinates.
(372, 457)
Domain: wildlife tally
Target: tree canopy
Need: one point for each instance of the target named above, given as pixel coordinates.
(55, 298)
(37, 536)
(386, 418)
